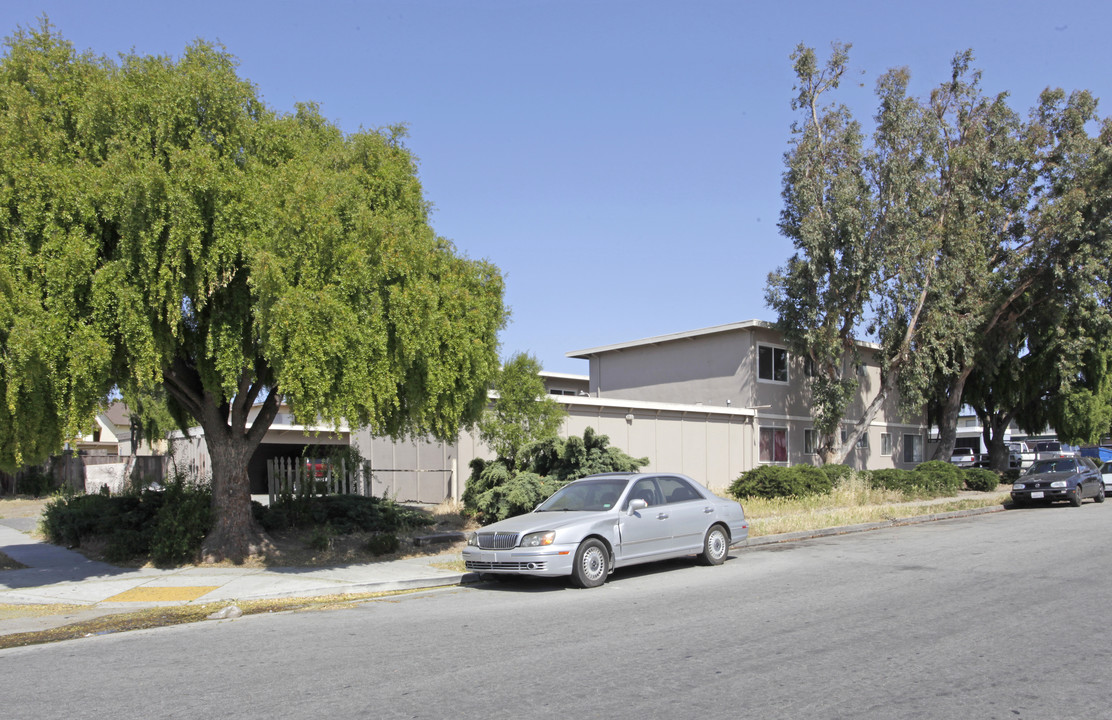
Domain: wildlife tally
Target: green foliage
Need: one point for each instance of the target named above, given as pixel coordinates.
(837, 473)
(893, 479)
(321, 537)
(181, 523)
(981, 479)
(772, 481)
(495, 491)
(167, 526)
(35, 483)
(578, 457)
(159, 225)
(522, 414)
(343, 514)
(383, 544)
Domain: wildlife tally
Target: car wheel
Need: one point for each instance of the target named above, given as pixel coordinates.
(1075, 497)
(1099, 497)
(715, 546)
(592, 563)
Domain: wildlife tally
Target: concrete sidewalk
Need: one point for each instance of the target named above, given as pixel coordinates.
(56, 576)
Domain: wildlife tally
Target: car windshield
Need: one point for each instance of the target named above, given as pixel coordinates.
(1048, 446)
(1050, 466)
(599, 495)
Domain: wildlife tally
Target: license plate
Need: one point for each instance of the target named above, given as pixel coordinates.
(1036, 495)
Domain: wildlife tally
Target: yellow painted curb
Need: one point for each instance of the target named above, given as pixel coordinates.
(161, 594)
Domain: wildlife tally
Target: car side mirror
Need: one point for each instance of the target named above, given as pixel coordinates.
(637, 504)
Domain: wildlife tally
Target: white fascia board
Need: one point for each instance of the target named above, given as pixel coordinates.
(620, 404)
(745, 324)
(563, 376)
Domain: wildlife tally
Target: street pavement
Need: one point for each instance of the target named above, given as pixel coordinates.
(57, 576)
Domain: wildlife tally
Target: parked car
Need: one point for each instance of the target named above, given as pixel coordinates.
(1020, 455)
(1050, 449)
(963, 457)
(1106, 475)
(598, 523)
(1067, 478)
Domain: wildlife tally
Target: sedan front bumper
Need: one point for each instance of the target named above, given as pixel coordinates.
(552, 561)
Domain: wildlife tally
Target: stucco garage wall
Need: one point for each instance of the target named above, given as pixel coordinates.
(711, 448)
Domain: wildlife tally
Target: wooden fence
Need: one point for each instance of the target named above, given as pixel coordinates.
(295, 476)
(68, 469)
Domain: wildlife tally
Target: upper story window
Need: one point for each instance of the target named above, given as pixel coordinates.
(772, 363)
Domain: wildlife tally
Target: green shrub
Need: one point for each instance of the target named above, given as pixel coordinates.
(772, 481)
(35, 483)
(937, 477)
(892, 479)
(1011, 475)
(383, 544)
(168, 526)
(182, 522)
(838, 474)
(321, 537)
(495, 493)
(981, 479)
(345, 514)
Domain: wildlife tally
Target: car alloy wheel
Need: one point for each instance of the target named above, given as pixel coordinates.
(592, 563)
(715, 546)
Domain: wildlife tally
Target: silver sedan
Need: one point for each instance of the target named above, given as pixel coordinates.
(596, 524)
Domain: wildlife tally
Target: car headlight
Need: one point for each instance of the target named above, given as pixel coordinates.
(473, 539)
(1059, 483)
(1018, 486)
(538, 539)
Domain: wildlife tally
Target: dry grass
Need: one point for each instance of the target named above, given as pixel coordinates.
(22, 506)
(852, 503)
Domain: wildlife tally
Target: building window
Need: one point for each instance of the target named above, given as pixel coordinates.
(808, 367)
(913, 449)
(772, 363)
(885, 443)
(774, 445)
(862, 442)
(809, 441)
(558, 391)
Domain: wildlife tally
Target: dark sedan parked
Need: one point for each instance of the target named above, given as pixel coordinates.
(1072, 478)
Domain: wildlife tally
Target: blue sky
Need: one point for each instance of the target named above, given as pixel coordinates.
(620, 161)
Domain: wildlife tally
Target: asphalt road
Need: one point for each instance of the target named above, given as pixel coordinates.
(997, 616)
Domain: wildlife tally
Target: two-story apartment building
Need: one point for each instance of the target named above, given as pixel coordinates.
(710, 403)
(735, 395)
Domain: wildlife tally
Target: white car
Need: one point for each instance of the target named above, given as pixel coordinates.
(1052, 450)
(593, 525)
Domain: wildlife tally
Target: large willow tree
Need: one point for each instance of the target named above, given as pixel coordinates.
(160, 226)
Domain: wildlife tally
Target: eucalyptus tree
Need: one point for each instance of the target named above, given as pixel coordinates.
(161, 226)
(936, 239)
(821, 294)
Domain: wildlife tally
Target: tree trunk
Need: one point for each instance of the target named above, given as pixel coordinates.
(948, 422)
(231, 442)
(234, 535)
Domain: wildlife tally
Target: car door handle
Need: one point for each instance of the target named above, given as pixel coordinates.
(662, 516)
(708, 510)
